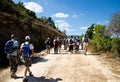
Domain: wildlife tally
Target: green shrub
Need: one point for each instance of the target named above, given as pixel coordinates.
(116, 46)
(101, 44)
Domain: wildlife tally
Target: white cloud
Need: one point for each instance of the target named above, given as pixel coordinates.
(74, 16)
(63, 25)
(33, 7)
(98, 22)
(104, 22)
(83, 28)
(61, 15)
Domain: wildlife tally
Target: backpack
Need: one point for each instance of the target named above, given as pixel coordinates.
(78, 41)
(47, 42)
(85, 39)
(25, 50)
(9, 47)
(56, 43)
(71, 41)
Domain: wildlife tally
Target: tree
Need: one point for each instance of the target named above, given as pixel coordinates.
(90, 31)
(99, 42)
(51, 22)
(43, 19)
(114, 26)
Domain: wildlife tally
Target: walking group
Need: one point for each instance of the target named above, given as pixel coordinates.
(25, 51)
(69, 44)
(15, 53)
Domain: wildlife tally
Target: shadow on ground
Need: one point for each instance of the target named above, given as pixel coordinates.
(38, 59)
(35, 60)
(42, 79)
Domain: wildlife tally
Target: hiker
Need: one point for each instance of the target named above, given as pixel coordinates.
(65, 43)
(27, 51)
(60, 43)
(77, 43)
(70, 41)
(56, 44)
(47, 43)
(13, 54)
(85, 43)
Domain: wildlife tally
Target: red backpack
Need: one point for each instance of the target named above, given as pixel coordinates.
(56, 42)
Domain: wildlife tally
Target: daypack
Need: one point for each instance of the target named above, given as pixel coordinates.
(25, 50)
(85, 39)
(9, 47)
(47, 42)
(78, 41)
(56, 43)
(71, 41)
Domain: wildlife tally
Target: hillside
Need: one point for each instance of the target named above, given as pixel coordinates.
(13, 22)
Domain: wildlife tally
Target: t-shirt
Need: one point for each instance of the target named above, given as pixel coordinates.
(31, 46)
(15, 44)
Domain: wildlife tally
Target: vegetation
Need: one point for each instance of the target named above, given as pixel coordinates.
(106, 38)
(16, 19)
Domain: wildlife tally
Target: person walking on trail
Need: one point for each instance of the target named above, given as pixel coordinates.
(71, 41)
(13, 54)
(56, 44)
(27, 51)
(85, 43)
(77, 44)
(47, 43)
(65, 43)
(60, 43)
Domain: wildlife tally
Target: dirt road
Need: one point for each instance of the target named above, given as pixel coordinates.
(64, 67)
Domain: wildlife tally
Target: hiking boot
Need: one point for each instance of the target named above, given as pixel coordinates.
(30, 74)
(25, 79)
(13, 76)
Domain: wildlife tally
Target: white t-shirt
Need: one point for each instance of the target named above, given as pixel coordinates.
(31, 46)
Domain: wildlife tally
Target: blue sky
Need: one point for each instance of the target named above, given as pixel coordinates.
(74, 16)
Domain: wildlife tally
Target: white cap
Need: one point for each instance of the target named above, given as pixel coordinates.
(48, 38)
(27, 38)
(12, 36)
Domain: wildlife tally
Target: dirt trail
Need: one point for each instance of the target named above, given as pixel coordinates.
(64, 67)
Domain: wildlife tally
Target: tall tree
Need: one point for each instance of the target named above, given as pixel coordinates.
(114, 26)
(51, 22)
(90, 31)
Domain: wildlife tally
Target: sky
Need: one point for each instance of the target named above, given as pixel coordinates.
(74, 16)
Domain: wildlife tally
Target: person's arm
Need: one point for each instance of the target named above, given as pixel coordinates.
(16, 44)
(53, 42)
(18, 51)
(32, 49)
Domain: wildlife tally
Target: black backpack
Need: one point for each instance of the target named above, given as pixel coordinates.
(85, 39)
(71, 41)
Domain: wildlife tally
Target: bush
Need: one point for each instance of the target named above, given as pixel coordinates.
(116, 46)
(101, 44)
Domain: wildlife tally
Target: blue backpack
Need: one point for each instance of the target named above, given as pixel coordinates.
(9, 47)
(25, 50)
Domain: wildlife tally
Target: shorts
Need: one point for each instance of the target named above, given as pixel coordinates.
(85, 45)
(27, 62)
(70, 47)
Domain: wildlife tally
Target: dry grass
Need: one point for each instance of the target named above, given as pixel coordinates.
(111, 61)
